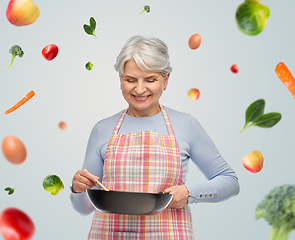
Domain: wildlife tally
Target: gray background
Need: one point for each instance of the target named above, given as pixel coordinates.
(66, 91)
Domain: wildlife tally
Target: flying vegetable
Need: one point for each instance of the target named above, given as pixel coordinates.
(145, 8)
(53, 184)
(15, 50)
(252, 16)
(16, 224)
(89, 66)
(50, 51)
(254, 116)
(9, 190)
(90, 29)
(278, 209)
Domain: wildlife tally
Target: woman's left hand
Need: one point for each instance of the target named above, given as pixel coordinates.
(180, 196)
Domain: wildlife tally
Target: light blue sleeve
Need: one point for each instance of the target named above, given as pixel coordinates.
(94, 164)
(222, 181)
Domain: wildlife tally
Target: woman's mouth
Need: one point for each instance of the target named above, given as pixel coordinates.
(141, 98)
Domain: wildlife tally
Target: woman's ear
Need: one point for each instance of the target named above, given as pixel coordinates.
(166, 81)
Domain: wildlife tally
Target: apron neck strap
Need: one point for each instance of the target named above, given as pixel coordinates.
(167, 121)
(116, 130)
(165, 115)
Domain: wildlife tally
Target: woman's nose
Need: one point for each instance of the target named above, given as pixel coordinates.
(140, 88)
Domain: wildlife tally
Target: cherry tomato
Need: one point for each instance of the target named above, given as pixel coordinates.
(16, 225)
(50, 51)
(234, 68)
(194, 41)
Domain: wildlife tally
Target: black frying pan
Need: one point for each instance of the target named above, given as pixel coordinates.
(130, 203)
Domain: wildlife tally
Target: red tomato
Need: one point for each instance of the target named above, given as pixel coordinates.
(16, 225)
(50, 51)
(194, 41)
(234, 68)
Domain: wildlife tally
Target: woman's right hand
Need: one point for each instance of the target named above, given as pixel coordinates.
(83, 180)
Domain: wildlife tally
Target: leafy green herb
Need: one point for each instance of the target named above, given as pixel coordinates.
(9, 190)
(267, 120)
(90, 29)
(89, 66)
(254, 111)
(145, 8)
(254, 114)
(92, 23)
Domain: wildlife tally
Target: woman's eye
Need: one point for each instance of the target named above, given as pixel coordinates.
(151, 80)
(130, 80)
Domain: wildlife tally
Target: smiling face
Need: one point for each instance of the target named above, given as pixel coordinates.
(142, 90)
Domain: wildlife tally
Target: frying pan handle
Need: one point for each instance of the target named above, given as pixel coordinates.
(162, 192)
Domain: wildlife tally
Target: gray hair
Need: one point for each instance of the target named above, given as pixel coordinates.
(150, 55)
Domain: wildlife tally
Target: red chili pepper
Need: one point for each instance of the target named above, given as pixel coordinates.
(15, 224)
(234, 68)
(50, 51)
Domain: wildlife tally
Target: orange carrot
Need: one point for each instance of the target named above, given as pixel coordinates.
(21, 102)
(286, 77)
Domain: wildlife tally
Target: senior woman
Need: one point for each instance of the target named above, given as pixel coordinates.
(146, 148)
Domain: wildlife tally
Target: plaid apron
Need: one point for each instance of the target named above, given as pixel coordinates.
(143, 162)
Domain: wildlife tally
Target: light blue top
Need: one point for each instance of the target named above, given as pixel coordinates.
(193, 142)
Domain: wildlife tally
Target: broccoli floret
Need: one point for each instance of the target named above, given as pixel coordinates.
(278, 209)
(15, 50)
(145, 8)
